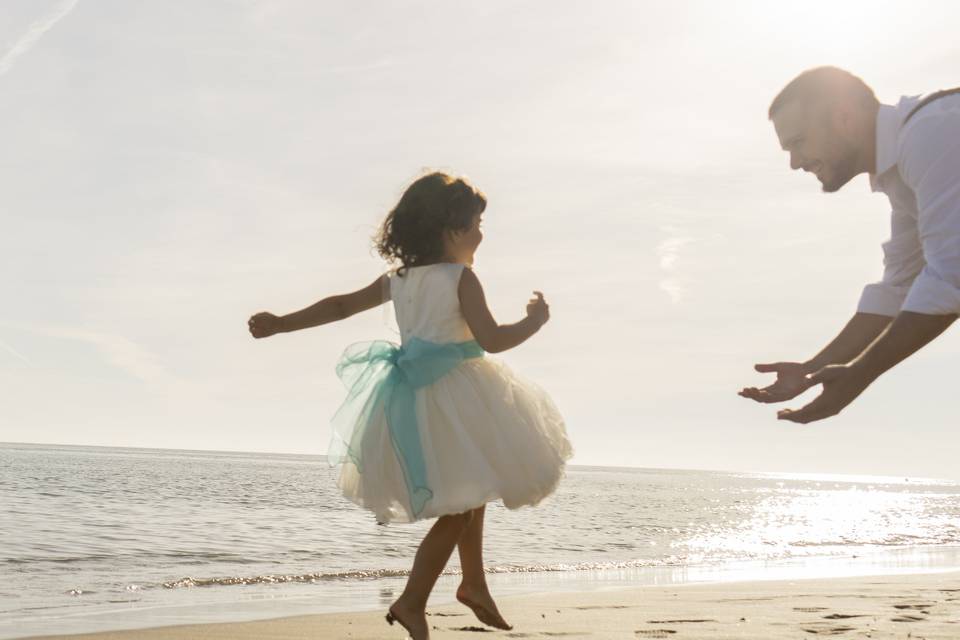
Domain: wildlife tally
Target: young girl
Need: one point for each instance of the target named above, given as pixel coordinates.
(433, 428)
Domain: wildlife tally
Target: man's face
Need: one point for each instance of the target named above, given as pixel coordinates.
(816, 144)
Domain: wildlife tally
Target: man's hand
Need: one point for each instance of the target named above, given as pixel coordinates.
(842, 383)
(791, 381)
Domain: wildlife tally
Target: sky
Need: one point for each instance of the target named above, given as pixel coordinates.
(169, 168)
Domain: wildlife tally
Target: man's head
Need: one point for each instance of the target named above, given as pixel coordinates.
(825, 119)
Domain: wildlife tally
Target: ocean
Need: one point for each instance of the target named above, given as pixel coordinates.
(96, 538)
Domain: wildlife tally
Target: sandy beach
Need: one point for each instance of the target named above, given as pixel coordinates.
(921, 606)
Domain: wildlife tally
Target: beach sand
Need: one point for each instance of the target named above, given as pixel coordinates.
(918, 606)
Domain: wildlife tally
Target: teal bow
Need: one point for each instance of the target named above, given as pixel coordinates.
(380, 375)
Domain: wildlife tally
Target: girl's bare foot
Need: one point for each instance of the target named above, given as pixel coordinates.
(483, 606)
(411, 619)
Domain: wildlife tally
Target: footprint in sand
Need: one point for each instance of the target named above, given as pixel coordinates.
(678, 621)
(809, 609)
(749, 599)
(655, 633)
(908, 619)
(828, 631)
(917, 607)
(844, 616)
(516, 634)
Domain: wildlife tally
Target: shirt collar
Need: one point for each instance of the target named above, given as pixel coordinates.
(888, 126)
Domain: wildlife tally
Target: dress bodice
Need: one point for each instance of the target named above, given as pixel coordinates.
(427, 303)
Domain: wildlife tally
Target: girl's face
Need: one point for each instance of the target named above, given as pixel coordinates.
(461, 245)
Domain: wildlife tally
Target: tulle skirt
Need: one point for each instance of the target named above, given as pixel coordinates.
(486, 435)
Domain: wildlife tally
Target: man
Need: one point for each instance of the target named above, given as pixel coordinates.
(832, 125)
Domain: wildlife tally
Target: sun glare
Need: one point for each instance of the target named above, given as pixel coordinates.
(837, 31)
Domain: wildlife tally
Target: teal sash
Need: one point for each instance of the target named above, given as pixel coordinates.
(380, 375)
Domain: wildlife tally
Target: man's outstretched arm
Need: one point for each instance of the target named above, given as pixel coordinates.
(928, 161)
(842, 383)
(792, 377)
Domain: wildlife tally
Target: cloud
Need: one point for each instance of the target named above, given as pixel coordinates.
(36, 30)
(15, 353)
(673, 287)
(668, 251)
(375, 65)
(120, 352)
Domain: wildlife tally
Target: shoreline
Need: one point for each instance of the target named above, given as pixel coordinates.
(210, 610)
(926, 605)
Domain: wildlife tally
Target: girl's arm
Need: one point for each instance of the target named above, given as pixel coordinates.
(494, 337)
(327, 310)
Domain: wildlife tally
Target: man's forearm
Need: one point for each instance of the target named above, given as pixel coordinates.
(842, 384)
(857, 335)
(906, 334)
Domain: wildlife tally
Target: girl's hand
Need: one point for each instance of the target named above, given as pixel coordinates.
(264, 324)
(538, 309)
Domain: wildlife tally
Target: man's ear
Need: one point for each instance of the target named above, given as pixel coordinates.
(844, 117)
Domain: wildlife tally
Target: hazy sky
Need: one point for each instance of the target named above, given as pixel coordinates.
(169, 168)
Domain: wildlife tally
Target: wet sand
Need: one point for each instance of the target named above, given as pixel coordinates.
(918, 606)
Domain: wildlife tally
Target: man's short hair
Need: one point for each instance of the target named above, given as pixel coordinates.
(824, 84)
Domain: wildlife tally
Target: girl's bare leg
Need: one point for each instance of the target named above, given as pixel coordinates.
(410, 609)
(473, 590)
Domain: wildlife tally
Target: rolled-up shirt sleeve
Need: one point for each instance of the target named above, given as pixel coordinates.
(930, 165)
(902, 261)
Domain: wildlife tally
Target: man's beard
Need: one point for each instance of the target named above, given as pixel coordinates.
(843, 171)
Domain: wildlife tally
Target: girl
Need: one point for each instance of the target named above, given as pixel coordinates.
(432, 428)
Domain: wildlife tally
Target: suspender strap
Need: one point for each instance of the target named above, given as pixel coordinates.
(930, 98)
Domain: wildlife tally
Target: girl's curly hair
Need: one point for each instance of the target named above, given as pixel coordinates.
(412, 233)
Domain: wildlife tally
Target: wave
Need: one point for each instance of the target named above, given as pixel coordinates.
(377, 574)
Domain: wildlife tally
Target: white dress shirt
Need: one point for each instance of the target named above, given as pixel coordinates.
(918, 168)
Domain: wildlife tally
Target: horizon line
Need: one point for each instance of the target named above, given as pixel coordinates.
(797, 475)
